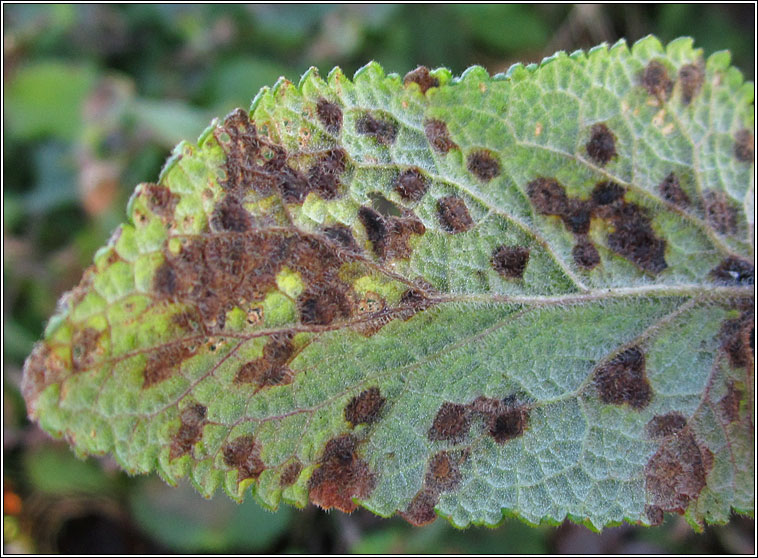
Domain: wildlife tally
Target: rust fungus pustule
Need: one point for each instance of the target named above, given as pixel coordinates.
(255, 163)
(691, 77)
(720, 212)
(453, 215)
(672, 192)
(213, 272)
(382, 128)
(510, 261)
(365, 408)
(736, 338)
(160, 200)
(271, 368)
(390, 236)
(190, 430)
(442, 472)
(483, 164)
(676, 474)
(84, 346)
(601, 146)
(655, 79)
(504, 419)
(451, 424)
(662, 426)
(729, 404)
(422, 77)
(734, 271)
(442, 475)
(243, 454)
(632, 235)
(230, 216)
(341, 476)
(290, 474)
(438, 136)
(330, 115)
(165, 361)
(411, 184)
(622, 380)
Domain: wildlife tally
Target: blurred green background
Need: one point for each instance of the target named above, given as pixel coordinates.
(95, 96)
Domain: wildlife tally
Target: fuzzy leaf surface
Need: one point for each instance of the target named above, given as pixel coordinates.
(526, 294)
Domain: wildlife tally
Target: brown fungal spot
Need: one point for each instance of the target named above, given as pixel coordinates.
(243, 454)
(509, 424)
(719, 213)
(451, 424)
(421, 509)
(510, 261)
(290, 474)
(165, 361)
(230, 216)
(160, 200)
(292, 184)
(330, 115)
(342, 236)
(737, 340)
(672, 192)
(453, 215)
(656, 80)
(585, 254)
(422, 77)
(504, 419)
(676, 474)
(165, 281)
(390, 237)
(322, 305)
(622, 380)
(213, 272)
(190, 430)
(438, 136)
(239, 139)
(324, 175)
(691, 78)
(602, 144)
(442, 473)
(634, 238)
(414, 300)
(376, 227)
(84, 348)
(729, 405)
(577, 216)
(662, 426)
(734, 271)
(606, 193)
(483, 164)
(341, 476)
(383, 130)
(487, 406)
(271, 368)
(548, 196)
(411, 184)
(365, 407)
(744, 146)
(254, 162)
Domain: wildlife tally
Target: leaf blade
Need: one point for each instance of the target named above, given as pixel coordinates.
(529, 321)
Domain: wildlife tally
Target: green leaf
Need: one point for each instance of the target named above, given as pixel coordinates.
(528, 294)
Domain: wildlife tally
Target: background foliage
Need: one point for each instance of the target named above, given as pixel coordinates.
(94, 99)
